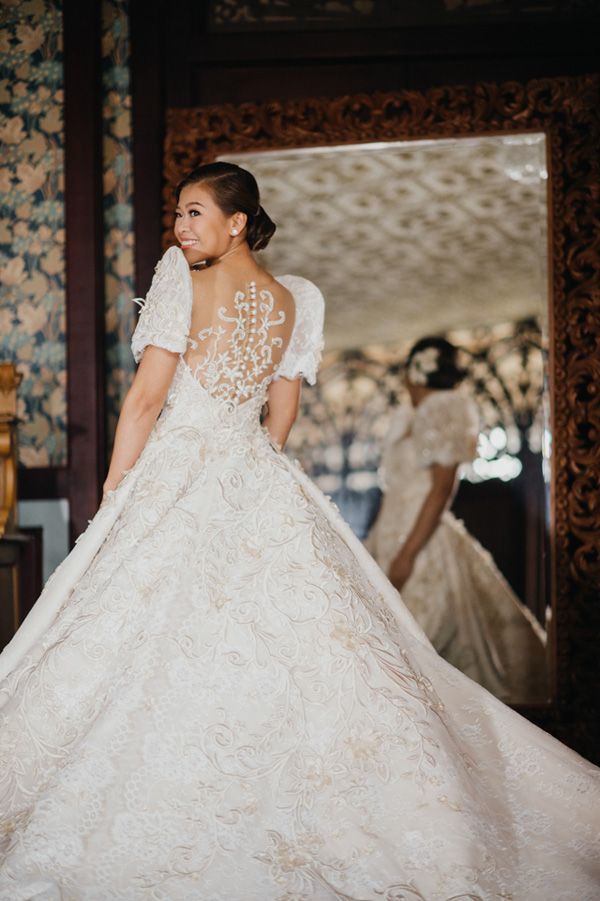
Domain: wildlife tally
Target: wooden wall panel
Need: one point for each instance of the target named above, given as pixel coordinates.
(84, 248)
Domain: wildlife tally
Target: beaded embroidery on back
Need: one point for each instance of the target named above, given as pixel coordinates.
(235, 348)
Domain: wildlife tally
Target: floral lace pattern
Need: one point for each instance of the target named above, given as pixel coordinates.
(228, 699)
(303, 354)
(165, 314)
(445, 428)
(235, 358)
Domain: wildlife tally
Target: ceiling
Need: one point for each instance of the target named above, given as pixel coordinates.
(412, 238)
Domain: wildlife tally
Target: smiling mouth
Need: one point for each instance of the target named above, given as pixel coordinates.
(187, 243)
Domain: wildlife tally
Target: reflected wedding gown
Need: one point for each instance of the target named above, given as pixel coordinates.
(220, 696)
(456, 592)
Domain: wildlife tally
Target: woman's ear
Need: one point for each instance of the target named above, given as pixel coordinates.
(237, 223)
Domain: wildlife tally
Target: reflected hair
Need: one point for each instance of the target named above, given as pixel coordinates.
(234, 190)
(447, 372)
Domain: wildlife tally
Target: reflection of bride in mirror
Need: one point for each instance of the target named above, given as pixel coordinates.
(448, 581)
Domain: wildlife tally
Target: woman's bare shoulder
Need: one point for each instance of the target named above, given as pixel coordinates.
(202, 276)
(204, 283)
(279, 291)
(209, 281)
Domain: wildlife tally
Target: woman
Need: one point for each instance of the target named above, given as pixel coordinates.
(213, 698)
(448, 581)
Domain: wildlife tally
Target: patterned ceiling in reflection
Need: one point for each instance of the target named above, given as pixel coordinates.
(412, 238)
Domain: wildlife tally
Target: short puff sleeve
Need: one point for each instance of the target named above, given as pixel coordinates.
(166, 312)
(445, 429)
(303, 354)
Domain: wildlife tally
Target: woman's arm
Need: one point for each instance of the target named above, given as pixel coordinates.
(144, 401)
(283, 401)
(443, 480)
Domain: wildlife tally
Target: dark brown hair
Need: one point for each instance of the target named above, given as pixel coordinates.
(235, 191)
(448, 373)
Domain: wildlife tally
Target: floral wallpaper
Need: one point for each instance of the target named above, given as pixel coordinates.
(32, 233)
(118, 207)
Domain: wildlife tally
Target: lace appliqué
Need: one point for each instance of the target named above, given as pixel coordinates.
(445, 429)
(240, 353)
(164, 320)
(303, 353)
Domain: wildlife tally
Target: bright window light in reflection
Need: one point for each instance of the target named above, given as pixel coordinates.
(328, 483)
(546, 470)
(362, 481)
(485, 448)
(498, 438)
(547, 443)
(505, 468)
(513, 440)
(495, 457)
(334, 458)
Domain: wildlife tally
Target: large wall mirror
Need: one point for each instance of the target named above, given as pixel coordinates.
(433, 238)
(466, 213)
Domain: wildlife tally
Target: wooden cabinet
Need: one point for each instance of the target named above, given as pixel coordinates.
(20, 549)
(20, 578)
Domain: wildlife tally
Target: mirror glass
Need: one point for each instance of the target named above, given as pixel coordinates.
(407, 240)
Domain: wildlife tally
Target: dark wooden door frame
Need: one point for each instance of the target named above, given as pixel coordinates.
(84, 258)
(148, 118)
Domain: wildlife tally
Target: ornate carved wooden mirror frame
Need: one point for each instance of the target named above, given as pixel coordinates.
(565, 109)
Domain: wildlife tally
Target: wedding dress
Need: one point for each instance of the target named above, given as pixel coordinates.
(456, 593)
(220, 697)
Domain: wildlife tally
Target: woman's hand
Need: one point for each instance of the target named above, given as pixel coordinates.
(442, 485)
(109, 485)
(401, 569)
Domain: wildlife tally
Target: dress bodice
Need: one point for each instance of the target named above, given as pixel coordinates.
(231, 348)
(212, 425)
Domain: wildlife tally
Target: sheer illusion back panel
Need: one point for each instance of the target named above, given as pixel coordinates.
(238, 335)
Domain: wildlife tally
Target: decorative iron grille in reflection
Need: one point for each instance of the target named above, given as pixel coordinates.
(344, 418)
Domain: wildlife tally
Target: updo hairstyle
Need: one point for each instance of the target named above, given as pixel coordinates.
(435, 361)
(234, 191)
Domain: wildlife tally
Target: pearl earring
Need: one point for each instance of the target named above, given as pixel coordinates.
(234, 231)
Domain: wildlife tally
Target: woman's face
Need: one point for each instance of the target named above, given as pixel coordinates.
(201, 228)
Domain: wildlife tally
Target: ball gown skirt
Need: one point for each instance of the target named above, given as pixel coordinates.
(220, 696)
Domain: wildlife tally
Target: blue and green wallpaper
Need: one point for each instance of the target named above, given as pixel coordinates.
(32, 228)
(118, 207)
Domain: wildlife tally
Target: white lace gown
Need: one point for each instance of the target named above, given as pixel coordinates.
(456, 593)
(220, 696)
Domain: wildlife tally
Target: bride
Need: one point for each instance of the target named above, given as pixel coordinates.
(449, 583)
(219, 696)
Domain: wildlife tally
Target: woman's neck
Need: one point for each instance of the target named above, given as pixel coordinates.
(418, 393)
(239, 253)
